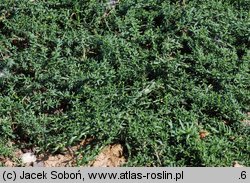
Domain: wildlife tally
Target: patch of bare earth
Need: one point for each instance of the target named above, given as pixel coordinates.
(7, 162)
(59, 160)
(29, 159)
(110, 156)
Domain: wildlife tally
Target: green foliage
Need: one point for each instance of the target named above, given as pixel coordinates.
(148, 74)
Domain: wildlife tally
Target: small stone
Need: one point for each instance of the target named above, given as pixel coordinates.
(237, 165)
(28, 158)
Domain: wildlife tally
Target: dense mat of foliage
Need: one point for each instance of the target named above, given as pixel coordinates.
(150, 74)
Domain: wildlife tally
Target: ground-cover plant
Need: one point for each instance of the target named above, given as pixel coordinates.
(152, 75)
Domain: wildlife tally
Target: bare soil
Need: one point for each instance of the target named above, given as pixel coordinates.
(110, 156)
